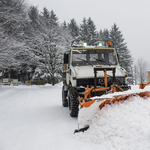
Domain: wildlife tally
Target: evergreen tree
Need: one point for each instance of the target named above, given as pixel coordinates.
(34, 17)
(46, 16)
(104, 36)
(91, 31)
(125, 58)
(83, 32)
(53, 19)
(64, 25)
(100, 35)
(87, 32)
(46, 13)
(73, 28)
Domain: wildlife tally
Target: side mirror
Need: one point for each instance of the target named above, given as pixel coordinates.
(66, 58)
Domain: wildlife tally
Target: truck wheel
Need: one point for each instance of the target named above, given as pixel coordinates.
(73, 104)
(64, 98)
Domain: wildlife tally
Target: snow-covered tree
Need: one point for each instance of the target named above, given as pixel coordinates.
(13, 16)
(87, 31)
(142, 67)
(50, 45)
(34, 17)
(104, 36)
(83, 32)
(91, 31)
(73, 28)
(135, 74)
(65, 38)
(125, 58)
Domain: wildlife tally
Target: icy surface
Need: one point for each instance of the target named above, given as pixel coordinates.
(32, 118)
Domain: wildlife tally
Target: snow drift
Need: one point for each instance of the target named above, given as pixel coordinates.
(122, 125)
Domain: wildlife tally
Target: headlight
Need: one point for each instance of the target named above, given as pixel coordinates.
(84, 44)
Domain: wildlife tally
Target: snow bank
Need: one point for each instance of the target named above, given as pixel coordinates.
(122, 125)
(86, 114)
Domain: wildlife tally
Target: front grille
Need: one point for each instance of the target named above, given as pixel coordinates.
(100, 81)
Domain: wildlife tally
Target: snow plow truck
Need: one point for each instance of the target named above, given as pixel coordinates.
(90, 72)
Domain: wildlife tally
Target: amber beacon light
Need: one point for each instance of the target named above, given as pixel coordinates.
(109, 44)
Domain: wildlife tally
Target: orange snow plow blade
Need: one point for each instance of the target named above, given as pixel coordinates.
(105, 101)
(88, 101)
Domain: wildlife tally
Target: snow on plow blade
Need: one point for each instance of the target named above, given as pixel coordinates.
(105, 101)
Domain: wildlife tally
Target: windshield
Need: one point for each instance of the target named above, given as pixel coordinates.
(93, 56)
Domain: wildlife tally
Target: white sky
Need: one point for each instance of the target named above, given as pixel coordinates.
(131, 16)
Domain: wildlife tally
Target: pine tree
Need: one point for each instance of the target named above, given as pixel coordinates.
(65, 25)
(34, 17)
(83, 32)
(53, 19)
(104, 36)
(100, 35)
(46, 13)
(87, 32)
(125, 58)
(91, 31)
(46, 16)
(73, 28)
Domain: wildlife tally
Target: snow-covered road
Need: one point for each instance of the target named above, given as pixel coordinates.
(32, 118)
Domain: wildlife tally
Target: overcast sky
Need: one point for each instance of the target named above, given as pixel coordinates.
(131, 16)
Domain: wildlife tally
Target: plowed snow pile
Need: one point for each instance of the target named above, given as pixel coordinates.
(122, 125)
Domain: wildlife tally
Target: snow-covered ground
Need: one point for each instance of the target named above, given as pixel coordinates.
(32, 118)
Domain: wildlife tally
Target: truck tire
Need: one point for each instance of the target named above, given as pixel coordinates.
(73, 104)
(64, 98)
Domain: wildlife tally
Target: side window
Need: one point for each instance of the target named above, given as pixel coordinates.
(79, 57)
(112, 58)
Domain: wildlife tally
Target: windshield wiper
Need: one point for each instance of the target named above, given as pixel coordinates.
(103, 60)
(85, 61)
